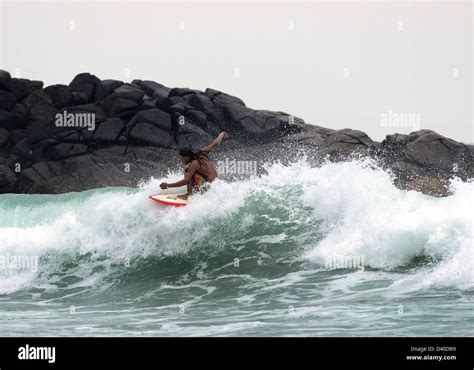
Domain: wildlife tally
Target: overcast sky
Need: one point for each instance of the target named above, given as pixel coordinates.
(361, 65)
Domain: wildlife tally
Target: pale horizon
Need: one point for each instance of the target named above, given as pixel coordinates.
(336, 65)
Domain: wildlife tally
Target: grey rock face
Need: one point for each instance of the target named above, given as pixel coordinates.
(137, 127)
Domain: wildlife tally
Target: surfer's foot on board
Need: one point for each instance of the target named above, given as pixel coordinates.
(183, 196)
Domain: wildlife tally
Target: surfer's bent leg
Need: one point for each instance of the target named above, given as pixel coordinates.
(189, 192)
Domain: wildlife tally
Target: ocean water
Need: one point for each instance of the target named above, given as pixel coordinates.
(329, 251)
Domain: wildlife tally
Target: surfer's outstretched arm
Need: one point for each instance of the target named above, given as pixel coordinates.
(217, 141)
(193, 167)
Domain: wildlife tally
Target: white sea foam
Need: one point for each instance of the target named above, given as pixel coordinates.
(361, 213)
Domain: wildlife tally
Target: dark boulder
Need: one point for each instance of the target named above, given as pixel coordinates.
(22, 149)
(122, 105)
(71, 136)
(109, 130)
(239, 118)
(43, 130)
(79, 98)
(18, 135)
(84, 79)
(106, 87)
(193, 136)
(156, 117)
(36, 177)
(429, 149)
(348, 136)
(11, 121)
(200, 101)
(7, 100)
(148, 104)
(20, 87)
(180, 108)
(147, 133)
(164, 104)
(182, 91)
(4, 135)
(7, 179)
(177, 100)
(61, 95)
(86, 91)
(65, 150)
(154, 89)
(425, 160)
(21, 109)
(5, 75)
(85, 83)
(222, 99)
(125, 93)
(40, 106)
(197, 118)
(76, 163)
(129, 92)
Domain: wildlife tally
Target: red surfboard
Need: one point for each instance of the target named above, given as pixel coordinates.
(169, 199)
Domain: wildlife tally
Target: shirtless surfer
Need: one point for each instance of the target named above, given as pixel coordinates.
(200, 171)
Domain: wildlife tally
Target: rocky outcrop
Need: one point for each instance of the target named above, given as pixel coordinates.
(425, 160)
(95, 133)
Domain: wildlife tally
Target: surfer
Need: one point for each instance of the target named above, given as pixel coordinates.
(200, 171)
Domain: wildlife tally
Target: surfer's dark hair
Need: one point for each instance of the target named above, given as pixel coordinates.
(190, 153)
